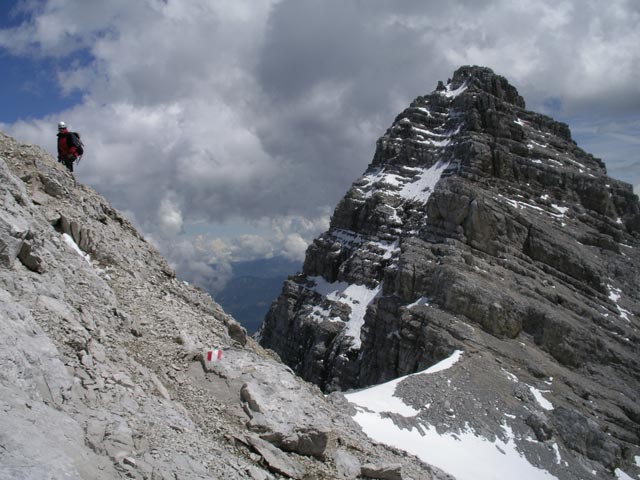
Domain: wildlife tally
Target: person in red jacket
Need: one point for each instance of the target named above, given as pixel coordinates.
(67, 153)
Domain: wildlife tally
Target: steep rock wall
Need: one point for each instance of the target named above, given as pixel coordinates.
(478, 226)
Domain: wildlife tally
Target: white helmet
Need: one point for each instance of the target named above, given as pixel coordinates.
(61, 125)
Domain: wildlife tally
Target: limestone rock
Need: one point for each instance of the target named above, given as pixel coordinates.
(540, 425)
(282, 413)
(33, 255)
(237, 332)
(52, 186)
(276, 459)
(347, 465)
(93, 383)
(382, 472)
(585, 436)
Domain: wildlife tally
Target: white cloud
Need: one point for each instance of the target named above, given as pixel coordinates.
(206, 259)
(201, 263)
(284, 235)
(294, 246)
(170, 216)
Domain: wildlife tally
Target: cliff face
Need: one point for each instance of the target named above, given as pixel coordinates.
(104, 371)
(482, 227)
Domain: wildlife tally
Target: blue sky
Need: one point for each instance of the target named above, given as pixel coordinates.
(229, 129)
(29, 91)
(30, 83)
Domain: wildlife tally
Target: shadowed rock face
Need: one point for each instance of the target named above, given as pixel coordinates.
(479, 226)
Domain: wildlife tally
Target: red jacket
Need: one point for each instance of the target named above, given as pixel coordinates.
(65, 145)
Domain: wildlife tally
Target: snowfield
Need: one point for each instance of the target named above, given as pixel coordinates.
(416, 188)
(357, 297)
(465, 455)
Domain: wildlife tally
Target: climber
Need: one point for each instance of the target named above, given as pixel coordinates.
(67, 149)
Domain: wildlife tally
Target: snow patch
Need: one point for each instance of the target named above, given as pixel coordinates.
(454, 93)
(520, 205)
(621, 475)
(539, 144)
(615, 294)
(357, 297)
(543, 402)
(381, 398)
(428, 132)
(483, 459)
(421, 301)
(347, 236)
(510, 375)
(389, 248)
(380, 177)
(443, 364)
(352, 239)
(418, 186)
(556, 450)
(437, 143)
(556, 162)
(74, 246)
(421, 188)
(445, 138)
(320, 314)
(562, 210)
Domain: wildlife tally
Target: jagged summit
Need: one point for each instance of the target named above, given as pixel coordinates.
(482, 78)
(480, 227)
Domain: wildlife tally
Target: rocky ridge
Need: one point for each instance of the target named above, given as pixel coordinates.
(482, 227)
(103, 370)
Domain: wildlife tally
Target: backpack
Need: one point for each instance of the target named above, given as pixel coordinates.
(76, 142)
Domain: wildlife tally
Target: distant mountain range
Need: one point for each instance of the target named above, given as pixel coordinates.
(254, 285)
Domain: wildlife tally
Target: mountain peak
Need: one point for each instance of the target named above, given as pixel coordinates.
(482, 228)
(477, 78)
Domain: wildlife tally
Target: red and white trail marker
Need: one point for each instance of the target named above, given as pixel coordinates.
(213, 355)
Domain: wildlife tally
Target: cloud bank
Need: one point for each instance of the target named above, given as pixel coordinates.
(229, 129)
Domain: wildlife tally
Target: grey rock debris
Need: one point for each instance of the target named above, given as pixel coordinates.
(101, 357)
(382, 472)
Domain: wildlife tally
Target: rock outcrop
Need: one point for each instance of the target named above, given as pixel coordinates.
(481, 226)
(104, 371)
